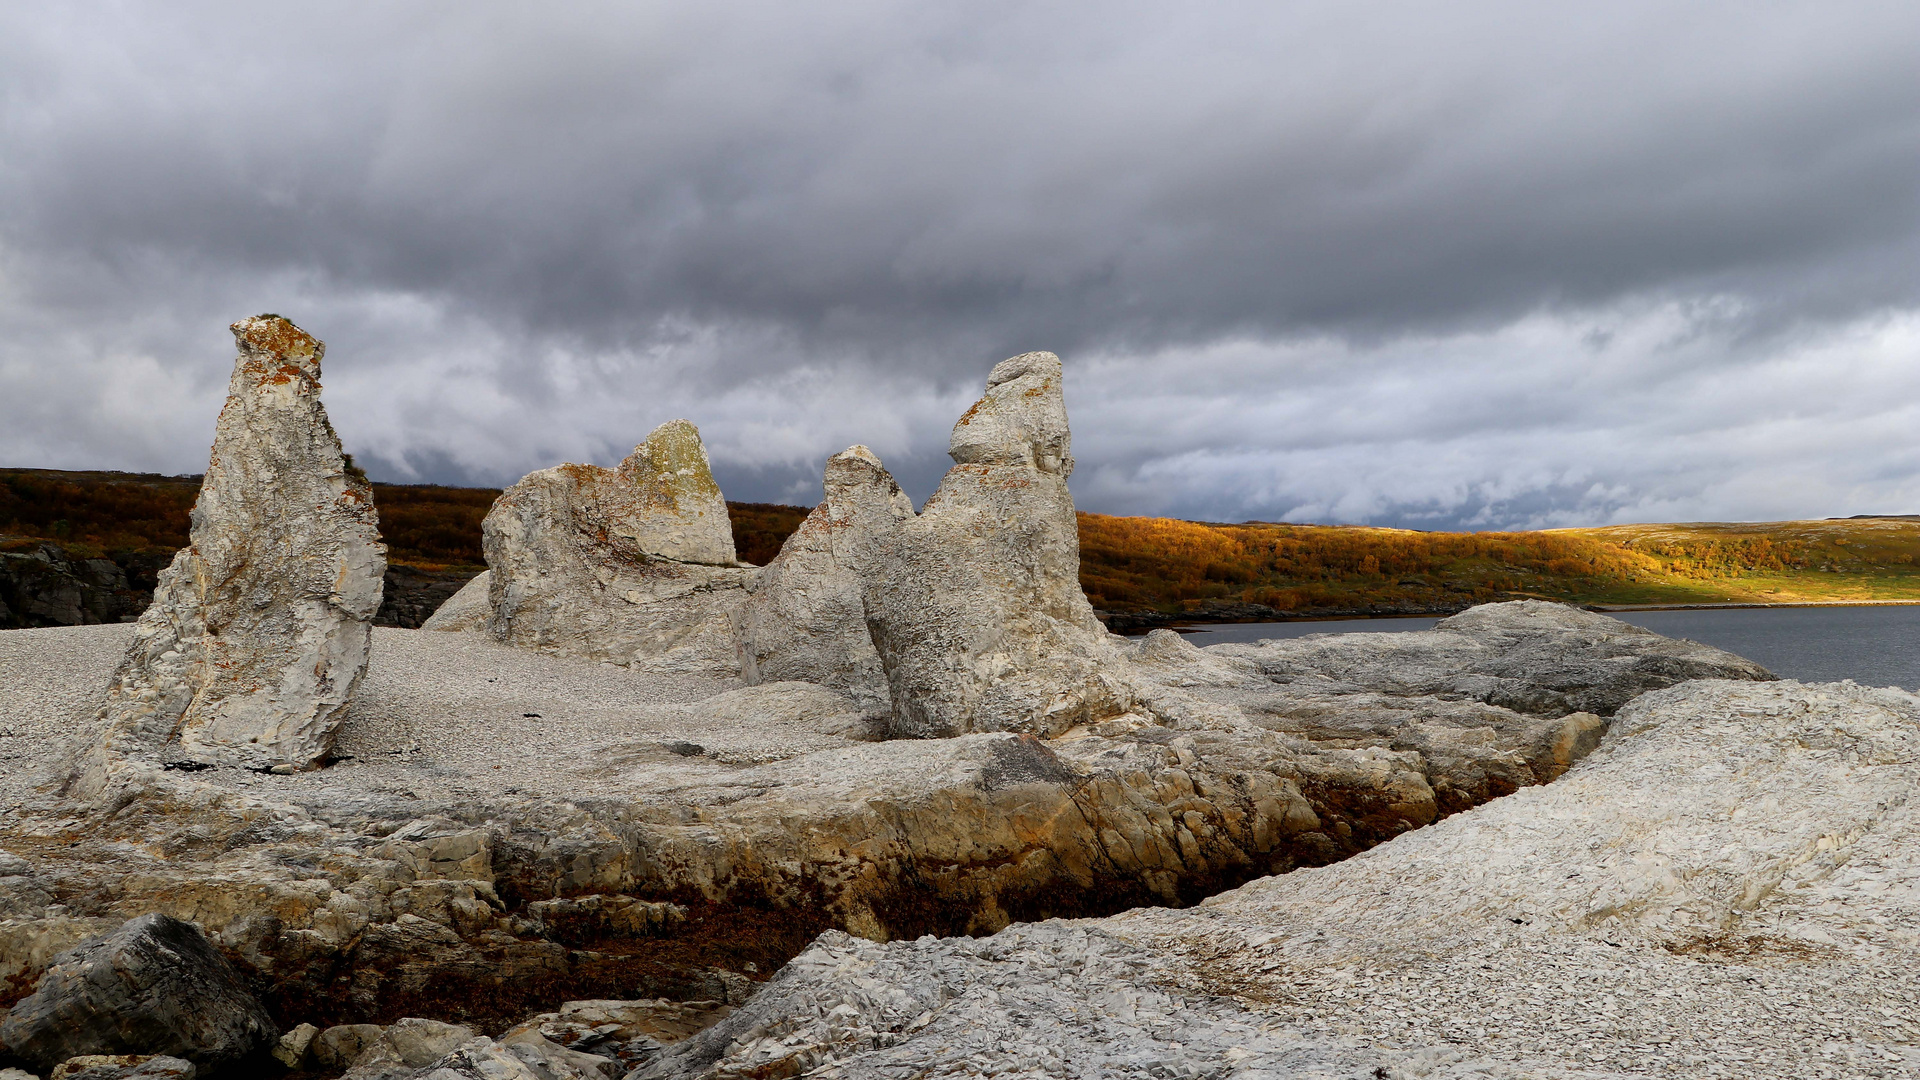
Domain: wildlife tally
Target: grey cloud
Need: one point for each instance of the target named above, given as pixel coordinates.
(531, 233)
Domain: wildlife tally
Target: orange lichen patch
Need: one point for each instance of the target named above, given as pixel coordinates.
(1039, 391)
(276, 336)
(581, 472)
(967, 417)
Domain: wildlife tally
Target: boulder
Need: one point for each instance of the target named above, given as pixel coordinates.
(125, 1067)
(468, 609)
(526, 1057)
(293, 1046)
(154, 986)
(407, 1045)
(630, 1032)
(975, 604)
(259, 631)
(805, 615)
(336, 1048)
(633, 566)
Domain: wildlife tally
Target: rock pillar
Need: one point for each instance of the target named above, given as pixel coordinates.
(259, 630)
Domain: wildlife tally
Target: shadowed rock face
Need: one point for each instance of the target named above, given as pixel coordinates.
(805, 618)
(633, 565)
(154, 986)
(258, 632)
(975, 605)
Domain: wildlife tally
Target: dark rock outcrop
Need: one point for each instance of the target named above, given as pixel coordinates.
(154, 986)
(42, 584)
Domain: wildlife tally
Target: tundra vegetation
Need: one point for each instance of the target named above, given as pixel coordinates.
(1160, 567)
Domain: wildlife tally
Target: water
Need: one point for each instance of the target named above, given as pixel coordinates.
(1873, 646)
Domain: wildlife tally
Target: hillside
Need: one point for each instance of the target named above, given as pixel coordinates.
(1130, 564)
(426, 526)
(1144, 570)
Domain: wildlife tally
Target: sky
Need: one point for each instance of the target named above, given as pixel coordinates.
(1473, 265)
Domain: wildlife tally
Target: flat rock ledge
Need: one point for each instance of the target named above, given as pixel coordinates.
(1728, 887)
(454, 866)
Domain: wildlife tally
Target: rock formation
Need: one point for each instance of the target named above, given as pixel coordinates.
(467, 609)
(975, 605)
(805, 616)
(633, 565)
(1723, 888)
(258, 632)
(41, 584)
(604, 848)
(154, 986)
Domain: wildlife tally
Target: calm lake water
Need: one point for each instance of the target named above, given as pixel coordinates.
(1873, 646)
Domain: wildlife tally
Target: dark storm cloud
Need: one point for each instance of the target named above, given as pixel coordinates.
(530, 233)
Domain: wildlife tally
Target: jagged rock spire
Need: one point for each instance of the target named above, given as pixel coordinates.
(258, 633)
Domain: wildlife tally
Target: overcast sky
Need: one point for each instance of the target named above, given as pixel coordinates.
(1438, 265)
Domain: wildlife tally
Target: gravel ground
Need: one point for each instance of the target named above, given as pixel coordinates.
(51, 683)
(446, 716)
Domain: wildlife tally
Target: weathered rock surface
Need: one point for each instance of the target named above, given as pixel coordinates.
(258, 632)
(41, 584)
(522, 1058)
(1729, 886)
(154, 986)
(468, 609)
(405, 1046)
(335, 1049)
(633, 566)
(125, 1067)
(517, 828)
(631, 1033)
(805, 616)
(975, 604)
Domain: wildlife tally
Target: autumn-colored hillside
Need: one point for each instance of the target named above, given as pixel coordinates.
(1221, 570)
(424, 525)
(1158, 568)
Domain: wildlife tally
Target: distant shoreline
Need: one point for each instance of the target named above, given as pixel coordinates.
(1135, 623)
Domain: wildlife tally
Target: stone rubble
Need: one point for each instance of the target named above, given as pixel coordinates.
(258, 632)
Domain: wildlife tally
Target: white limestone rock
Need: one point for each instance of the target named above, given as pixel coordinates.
(466, 610)
(1727, 884)
(258, 632)
(975, 604)
(805, 616)
(633, 566)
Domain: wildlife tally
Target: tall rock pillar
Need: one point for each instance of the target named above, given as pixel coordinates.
(259, 630)
(975, 606)
(805, 617)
